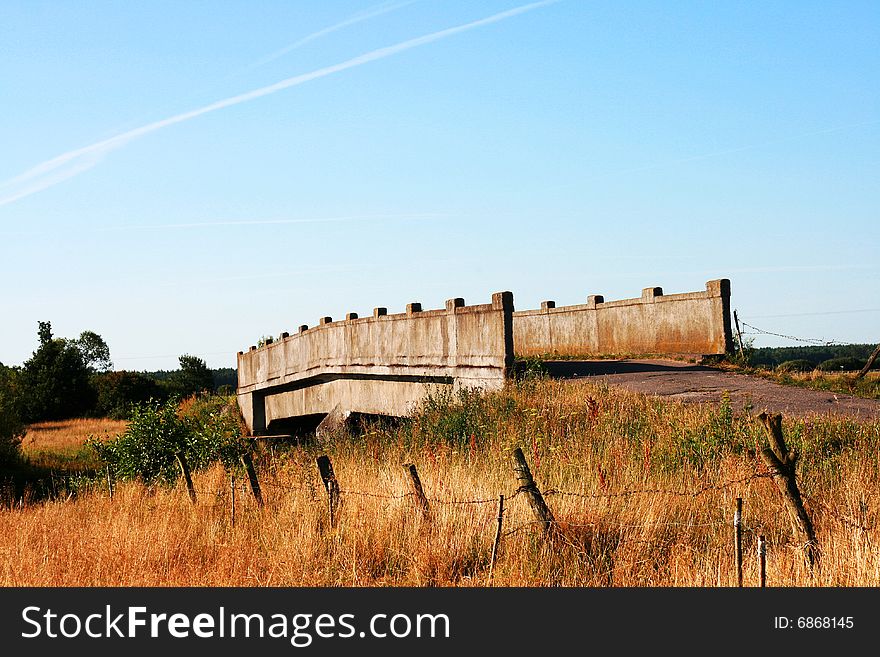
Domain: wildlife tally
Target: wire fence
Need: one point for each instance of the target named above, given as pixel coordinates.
(811, 341)
(579, 529)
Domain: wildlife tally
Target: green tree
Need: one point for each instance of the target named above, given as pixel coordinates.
(117, 392)
(11, 426)
(192, 377)
(95, 352)
(55, 380)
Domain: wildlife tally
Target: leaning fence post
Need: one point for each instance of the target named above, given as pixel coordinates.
(762, 561)
(330, 484)
(248, 463)
(184, 470)
(418, 490)
(738, 540)
(497, 542)
(782, 463)
(109, 482)
(527, 485)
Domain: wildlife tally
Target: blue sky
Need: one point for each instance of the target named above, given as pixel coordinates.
(555, 150)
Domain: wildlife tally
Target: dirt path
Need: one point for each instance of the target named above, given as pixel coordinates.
(696, 383)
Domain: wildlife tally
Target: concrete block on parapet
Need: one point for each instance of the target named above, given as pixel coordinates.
(503, 300)
(650, 293)
(414, 307)
(452, 304)
(719, 287)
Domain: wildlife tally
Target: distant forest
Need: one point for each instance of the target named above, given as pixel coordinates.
(774, 356)
(223, 376)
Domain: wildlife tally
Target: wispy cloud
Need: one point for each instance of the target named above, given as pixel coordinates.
(361, 16)
(67, 165)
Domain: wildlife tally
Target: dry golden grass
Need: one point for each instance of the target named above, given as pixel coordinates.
(592, 441)
(58, 444)
(67, 435)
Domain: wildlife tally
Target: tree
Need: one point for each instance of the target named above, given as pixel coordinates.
(55, 380)
(117, 392)
(12, 428)
(95, 352)
(192, 377)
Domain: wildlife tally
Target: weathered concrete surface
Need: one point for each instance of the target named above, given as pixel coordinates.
(698, 384)
(384, 364)
(691, 323)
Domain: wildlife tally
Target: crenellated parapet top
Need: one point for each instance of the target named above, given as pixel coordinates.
(457, 342)
(653, 323)
(718, 288)
(500, 301)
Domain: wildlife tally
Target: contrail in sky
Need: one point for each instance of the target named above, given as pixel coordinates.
(50, 173)
(359, 17)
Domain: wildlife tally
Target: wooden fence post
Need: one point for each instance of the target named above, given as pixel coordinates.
(325, 468)
(232, 498)
(184, 470)
(739, 336)
(497, 542)
(418, 490)
(109, 482)
(738, 540)
(527, 485)
(870, 362)
(248, 463)
(782, 463)
(762, 561)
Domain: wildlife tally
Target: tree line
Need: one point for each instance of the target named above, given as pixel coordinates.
(825, 357)
(66, 378)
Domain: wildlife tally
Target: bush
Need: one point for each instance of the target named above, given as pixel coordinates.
(451, 417)
(846, 364)
(204, 432)
(798, 365)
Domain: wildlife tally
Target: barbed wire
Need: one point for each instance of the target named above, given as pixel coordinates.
(609, 525)
(844, 519)
(482, 501)
(814, 341)
(661, 491)
(379, 495)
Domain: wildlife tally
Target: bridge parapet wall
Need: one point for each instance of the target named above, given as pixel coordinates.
(378, 364)
(689, 323)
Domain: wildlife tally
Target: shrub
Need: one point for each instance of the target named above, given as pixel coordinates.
(451, 417)
(529, 367)
(798, 365)
(204, 432)
(846, 364)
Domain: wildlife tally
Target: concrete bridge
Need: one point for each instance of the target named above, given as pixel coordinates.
(386, 364)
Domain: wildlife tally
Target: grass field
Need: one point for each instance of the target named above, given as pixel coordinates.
(58, 445)
(642, 491)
